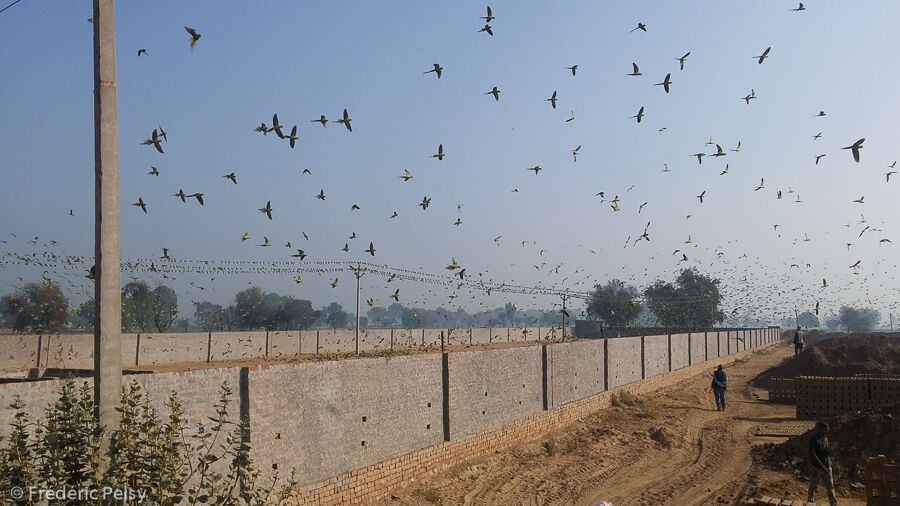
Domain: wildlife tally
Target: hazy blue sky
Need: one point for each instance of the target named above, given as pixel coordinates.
(303, 59)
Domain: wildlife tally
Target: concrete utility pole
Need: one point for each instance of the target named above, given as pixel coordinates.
(107, 271)
(564, 297)
(358, 273)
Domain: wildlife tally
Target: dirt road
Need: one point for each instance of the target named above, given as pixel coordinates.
(670, 447)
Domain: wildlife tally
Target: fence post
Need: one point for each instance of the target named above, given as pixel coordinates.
(39, 347)
(423, 336)
(208, 347)
(300, 342)
(442, 341)
(490, 334)
(643, 360)
(317, 341)
(267, 343)
(539, 333)
(137, 351)
(470, 336)
(706, 345)
(670, 352)
(392, 339)
(690, 362)
(605, 365)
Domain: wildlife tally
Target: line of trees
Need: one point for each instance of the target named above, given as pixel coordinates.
(691, 302)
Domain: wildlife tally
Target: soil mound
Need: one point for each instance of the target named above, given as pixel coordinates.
(852, 437)
(841, 355)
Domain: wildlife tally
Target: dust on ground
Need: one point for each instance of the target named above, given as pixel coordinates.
(668, 447)
(841, 355)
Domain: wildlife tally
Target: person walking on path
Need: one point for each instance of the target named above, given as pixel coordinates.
(719, 385)
(798, 342)
(820, 463)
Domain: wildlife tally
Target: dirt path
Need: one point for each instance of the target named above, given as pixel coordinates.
(672, 447)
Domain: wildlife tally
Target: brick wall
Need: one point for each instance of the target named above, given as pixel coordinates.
(375, 481)
(819, 397)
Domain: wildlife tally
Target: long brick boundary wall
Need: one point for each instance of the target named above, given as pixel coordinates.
(376, 481)
(19, 352)
(355, 429)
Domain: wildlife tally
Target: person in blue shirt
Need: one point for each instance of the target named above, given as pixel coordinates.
(719, 385)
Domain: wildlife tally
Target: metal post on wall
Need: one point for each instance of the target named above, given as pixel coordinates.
(564, 313)
(358, 273)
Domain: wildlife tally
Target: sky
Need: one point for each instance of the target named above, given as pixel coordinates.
(304, 59)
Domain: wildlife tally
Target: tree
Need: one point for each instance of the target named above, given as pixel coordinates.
(292, 314)
(250, 307)
(37, 307)
(208, 315)
(614, 303)
(808, 319)
(182, 323)
(137, 306)
(335, 316)
(692, 302)
(509, 314)
(165, 307)
(858, 320)
(84, 315)
(230, 317)
(271, 304)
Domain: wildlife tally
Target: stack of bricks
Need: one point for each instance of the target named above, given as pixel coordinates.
(882, 482)
(819, 397)
(783, 390)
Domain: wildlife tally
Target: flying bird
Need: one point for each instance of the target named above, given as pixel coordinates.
(322, 120)
(268, 209)
(701, 196)
(195, 36)
(574, 154)
(573, 68)
(396, 295)
(154, 141)
(819, 157)
(245, 236)
(198, 196)
(855, 147)
(489, 16)
(180, 195)
(262, 128)
(293, 137)
(265, 243)
(495, 92)
(762, 182)
(143, 51)
(276, 127)
(699, 157)
(300, 254)
(453, 265)
(334, 283)
(153, 171)
(724, 171)
(346, 248)
(371, 249)
(406, 175)
(536, 169)
(799, 8)
(232, 177)
(571, 118)
(552, 99)
(666, 82)
(440, 154)
(737, 149)
(681, 60)
(346, 121)
(487, 28)
(635, 70)
(817, 135)
(321, 195)
(640, 26)
(425, 203)
(888, 175)
(821, 113)
(437, 70)
(639, 115)
(140, 203)
(764, 55)
(719, 151)
(751, 96)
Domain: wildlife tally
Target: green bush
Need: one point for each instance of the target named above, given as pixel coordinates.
(161, 457)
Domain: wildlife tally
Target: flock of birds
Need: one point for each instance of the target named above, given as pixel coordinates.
(578, 281)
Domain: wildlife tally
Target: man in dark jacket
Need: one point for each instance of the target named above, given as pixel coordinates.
(719, 384)
(820, 463)
(798, 341)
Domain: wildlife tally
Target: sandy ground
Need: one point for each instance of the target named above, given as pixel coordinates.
(671, 448)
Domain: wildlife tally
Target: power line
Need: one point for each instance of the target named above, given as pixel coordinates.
(10, 5)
